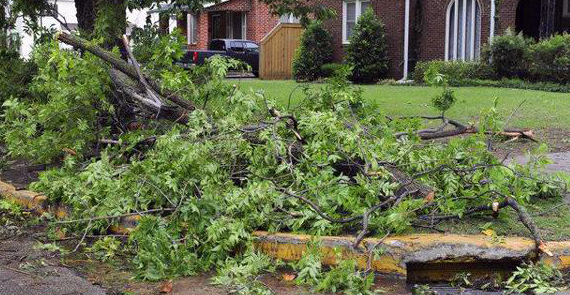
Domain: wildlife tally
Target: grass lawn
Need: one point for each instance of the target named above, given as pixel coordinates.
(551, 216)
(540, 110)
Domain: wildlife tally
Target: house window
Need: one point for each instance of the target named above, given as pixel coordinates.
(566, 8)
(463, 30)
(192, 28)
(351, 11)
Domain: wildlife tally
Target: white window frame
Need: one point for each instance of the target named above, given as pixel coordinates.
(358, 13)
(192, 28)
(474, 31)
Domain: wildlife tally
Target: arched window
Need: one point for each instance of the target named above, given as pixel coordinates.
(463, 30)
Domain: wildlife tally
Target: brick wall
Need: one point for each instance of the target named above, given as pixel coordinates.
(433, 29)
(259, 20)
(391, 13)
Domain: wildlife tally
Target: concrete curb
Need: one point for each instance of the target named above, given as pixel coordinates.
(399, 252)
(38, 203)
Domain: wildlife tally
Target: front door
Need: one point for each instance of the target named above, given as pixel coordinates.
(218, 21)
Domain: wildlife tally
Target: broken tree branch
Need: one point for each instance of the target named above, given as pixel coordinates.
(460, 129)
(122, 66)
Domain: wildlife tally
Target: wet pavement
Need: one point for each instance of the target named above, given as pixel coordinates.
(25, 270)
(561, 162)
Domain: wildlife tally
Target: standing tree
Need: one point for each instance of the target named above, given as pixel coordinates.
(314, 52)
(367, 51)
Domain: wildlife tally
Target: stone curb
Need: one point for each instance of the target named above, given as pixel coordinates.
(398, 251)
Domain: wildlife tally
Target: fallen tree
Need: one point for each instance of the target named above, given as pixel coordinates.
(130, 80)
(242, 162)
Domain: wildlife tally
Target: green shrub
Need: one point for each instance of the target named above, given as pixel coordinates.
(68, 100)
(517, 84)
(314, 52)
(367, 51)
(509, 55)
(15, 75)
(454, 71)
(329, 70)
(551, 59)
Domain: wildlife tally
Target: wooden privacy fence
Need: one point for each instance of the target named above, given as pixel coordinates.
(277, 50)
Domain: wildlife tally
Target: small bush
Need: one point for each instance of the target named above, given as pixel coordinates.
(509, 55)
(551, 59)
(314, 52)
(367, 51)
(15, 75)
(329, 70)
(454, 71)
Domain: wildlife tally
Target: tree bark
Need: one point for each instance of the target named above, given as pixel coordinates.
(86, 15)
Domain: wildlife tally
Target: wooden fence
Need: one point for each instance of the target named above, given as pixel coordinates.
(277, 50)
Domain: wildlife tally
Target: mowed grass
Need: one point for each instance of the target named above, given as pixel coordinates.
(540, 110)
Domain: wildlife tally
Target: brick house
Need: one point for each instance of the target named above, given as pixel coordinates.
(229, 19)
(416, 29)
(446, 29)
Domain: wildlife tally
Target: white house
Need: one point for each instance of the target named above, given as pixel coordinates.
(67, 12)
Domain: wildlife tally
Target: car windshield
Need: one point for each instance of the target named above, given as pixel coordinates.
(251, 47)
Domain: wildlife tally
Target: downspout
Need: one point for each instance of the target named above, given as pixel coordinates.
(406, 40)
(492, 29)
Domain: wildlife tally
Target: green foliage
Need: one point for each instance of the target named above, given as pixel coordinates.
(218, 180)
(158, 52)
(106, 248)
(343, 278)
(509, 55)
(551, 59)
(457, 72)
(513, 83)
(314, 52)
(12, 208)
(69, 94)
(446, 99)
(347, 279)
(15, 75)
(304, 10)
(538, 278)
(241, 277)
(367, 52)
(162, 252)
(329, 70)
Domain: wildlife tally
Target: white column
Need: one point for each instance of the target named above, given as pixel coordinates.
(464, 30)
(406, 39)
(473, 27)
(456, 29)
(189, 28)
(172, 23)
